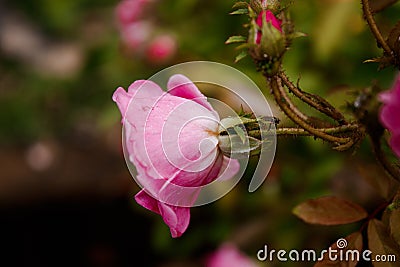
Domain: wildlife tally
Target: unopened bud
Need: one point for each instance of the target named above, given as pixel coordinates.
(268, 39)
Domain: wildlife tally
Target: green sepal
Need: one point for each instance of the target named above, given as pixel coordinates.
(241, 56)
(296, 35)
(241, 11)
(241, 133)
(272, 41)
(244, 46)
(236, 39)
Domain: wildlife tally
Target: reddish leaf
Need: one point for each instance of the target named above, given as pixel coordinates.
(377, 179)
(329, 211)
(380, 243)
(354, 242)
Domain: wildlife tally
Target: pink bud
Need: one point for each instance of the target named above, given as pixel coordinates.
(390, 114)
(269, 18)
(162, 48)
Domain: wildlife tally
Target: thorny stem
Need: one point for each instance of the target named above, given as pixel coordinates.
(284, 131)
(383, 160)
(314, 101)
(284, 102)
(374, 28)
(302, 132)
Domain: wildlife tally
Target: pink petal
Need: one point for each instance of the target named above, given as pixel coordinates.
(390, 117)
(390, 114)
(269, 18)
(180, 85)
(229, 168)
(177, 218)
(122, 98)
(175, 129)
(146, 201)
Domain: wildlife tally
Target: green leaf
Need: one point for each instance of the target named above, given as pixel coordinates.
(241, 11)
(242, 55)
(329, 210)
(236, 39)
(380, 243)
(354, 242)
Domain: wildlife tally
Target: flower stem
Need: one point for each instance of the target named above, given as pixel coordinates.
(383, 160)
(302, 132)
(284, 102)
(314, 101)
(374, 28)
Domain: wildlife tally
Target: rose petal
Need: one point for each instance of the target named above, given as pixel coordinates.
(229, 168)
(177, 218)
(269, 17)
(180, 85)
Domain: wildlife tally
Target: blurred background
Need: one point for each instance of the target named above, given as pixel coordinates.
(66, 196)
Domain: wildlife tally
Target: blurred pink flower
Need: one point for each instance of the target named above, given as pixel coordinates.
(171, 138)
(136, 34)
(162, 48)
(269, 18)
(390, 114)
(229, 256)
(129, 11)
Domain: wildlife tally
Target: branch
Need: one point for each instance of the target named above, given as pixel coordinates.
(301, 132)
(383, 160)
(314, 101)
(374, 28)
(284, 102)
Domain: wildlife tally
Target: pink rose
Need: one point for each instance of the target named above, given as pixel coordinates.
(269, 18)
(172, 139)
(229, 256)
(162, 48)
(390, 114)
